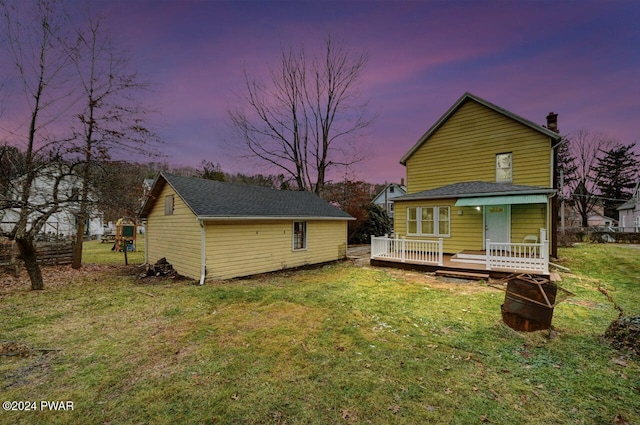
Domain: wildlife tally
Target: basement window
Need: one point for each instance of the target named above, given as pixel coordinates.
(299, 235)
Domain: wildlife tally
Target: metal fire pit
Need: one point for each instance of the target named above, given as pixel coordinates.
(529, 302)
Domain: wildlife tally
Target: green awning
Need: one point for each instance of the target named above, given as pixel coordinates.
(501, 200)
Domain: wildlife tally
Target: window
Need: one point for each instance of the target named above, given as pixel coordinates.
(428, 220)
(168, 205)
(299, 235)
(412, 221)
(433, 221)
(504, 167)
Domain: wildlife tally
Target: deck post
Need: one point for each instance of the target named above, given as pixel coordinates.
(488, 259)
(372, 246)
(440, 248)
(403, 246)
(544, 249)
(545, 255)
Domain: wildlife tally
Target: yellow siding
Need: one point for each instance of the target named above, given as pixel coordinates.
(466, 228)
(528, 220)
(465, 146)
(176, 236)
(244, 248)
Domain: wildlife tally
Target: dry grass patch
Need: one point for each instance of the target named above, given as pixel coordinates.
(336, 344)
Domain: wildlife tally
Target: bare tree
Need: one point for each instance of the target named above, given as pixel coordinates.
(112, 120)
(32, 33)
(307, 118)
(584, 152)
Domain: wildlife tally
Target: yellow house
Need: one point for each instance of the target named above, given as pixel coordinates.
(211, 229)
(481, 176)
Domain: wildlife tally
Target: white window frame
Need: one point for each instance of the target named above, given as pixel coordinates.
(294, 237)
(436, 221)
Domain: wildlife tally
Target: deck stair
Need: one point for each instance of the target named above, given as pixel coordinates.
(462, 275)
(472, 257)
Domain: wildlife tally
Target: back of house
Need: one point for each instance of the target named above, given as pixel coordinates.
(480, 173)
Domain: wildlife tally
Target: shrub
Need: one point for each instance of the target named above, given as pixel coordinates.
(377, 223)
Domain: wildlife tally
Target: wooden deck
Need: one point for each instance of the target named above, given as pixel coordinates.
(454, 266)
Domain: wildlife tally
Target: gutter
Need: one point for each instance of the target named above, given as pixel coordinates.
(270, 218)
(203, 258)
(549, 192)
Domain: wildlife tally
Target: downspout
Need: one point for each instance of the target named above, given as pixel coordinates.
(146, 242)
(554, 205)
(203, 260)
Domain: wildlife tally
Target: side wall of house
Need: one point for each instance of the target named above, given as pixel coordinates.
(466, 227)
(244, 248)
(528, 220)
(467, 223)
(629, 219)
(464, 148)
(175, 237)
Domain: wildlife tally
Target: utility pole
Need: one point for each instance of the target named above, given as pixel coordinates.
(562, 228)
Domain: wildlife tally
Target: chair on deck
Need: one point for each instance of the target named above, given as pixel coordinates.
(530, 239)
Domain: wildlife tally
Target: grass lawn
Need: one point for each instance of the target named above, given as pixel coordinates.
(337, 344)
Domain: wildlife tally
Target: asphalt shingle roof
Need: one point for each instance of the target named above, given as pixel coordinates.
(476, 188)
(214, 199)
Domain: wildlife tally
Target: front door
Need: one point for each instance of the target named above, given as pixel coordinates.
(497, 220)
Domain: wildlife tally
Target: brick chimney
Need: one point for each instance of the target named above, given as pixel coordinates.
(552, 122)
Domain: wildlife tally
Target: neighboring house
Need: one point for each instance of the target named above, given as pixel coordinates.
(596, 218)
(63, 222)
(629, 212)
(481, 173)
(147, 184)
(384, 199)
(212, 229)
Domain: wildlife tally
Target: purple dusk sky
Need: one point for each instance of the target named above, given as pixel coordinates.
(580, 59)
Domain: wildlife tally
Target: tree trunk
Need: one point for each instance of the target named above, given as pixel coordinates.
(585, 220)
(76, 262)
(28, 255)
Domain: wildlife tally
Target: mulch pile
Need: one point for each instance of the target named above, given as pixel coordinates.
(624, 334)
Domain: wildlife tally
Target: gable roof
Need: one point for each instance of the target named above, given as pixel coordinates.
(470, 97)
(635, 199)
(474, 189)
(380, 195)
(211, 200)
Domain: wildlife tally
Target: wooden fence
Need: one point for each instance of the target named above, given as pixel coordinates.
(48, 253)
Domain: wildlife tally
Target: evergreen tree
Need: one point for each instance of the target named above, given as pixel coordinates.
(567, 167)
(377, 223)
(211, 171)
(617, 172)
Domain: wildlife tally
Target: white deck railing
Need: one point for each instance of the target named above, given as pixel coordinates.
(407, 250)
(522, 257)
(533, 257)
